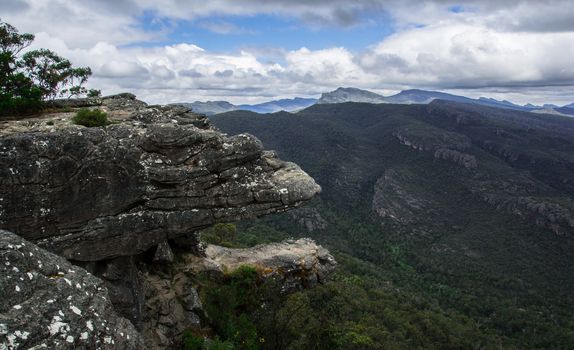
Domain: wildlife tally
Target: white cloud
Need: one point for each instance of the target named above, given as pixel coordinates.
(463, 55)
(505, 48)
(121, 69)
(329, 67)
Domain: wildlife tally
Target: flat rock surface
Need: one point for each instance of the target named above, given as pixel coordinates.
(298, 263)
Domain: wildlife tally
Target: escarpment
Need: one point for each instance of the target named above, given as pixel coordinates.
(124, 202)
(446, 145)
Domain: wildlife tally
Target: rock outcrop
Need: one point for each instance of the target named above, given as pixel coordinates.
(466, 160)
(173, 304)
(97, 193)
(46, 302)
(443, 144)
(123, 204)
(558, 218)
(397, 197)
(297, 264)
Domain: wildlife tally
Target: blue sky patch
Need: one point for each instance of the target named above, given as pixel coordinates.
(234, 33)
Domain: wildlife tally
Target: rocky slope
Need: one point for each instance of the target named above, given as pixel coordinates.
(160, 174)
(122, 199)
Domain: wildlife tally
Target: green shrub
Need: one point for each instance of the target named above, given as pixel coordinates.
(192, 341)
(228, 305)
(220, 234)
(26, 101)
(90, 118)
(217, 344)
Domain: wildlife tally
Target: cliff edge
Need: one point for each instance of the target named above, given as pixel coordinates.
(121, 202)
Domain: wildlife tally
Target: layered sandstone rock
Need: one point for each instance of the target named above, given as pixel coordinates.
(97, 193)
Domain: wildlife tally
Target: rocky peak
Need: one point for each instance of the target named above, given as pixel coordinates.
(350, 95)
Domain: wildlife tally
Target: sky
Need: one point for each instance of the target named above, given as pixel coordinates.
(249, 51)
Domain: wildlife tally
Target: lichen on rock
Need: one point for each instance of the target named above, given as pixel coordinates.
(46, 302)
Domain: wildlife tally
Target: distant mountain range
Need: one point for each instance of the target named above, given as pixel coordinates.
(416, 96)
(341, 95)
(216, 107)
(569, 110)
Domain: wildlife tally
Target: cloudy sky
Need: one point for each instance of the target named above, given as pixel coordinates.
(255, 50)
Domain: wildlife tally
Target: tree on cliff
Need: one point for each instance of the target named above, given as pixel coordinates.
(29, 79)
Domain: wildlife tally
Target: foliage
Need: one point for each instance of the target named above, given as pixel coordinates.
(54, 75)
(26, 80)
(17, 91)
(220, 234)
(216, 344)
(356, 309)
(90, 118)
(228, 306)
(462, 272)
(192, 341)
(94, 93)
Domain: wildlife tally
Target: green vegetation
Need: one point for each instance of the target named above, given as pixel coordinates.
(356, 309)
(393, 305)
(228, 306)
(93, 93)
(461, 263)
(29, 79)
(192, 341)
(91, 118)
(234, 308)
(220, 234)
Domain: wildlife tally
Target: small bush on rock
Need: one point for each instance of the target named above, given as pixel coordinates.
(90, 118)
